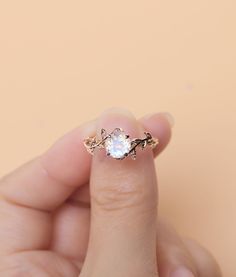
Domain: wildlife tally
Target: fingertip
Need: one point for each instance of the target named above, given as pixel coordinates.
(115, 111)
(181, 272)
(173, 257)
(204, 259)
(160, 126)
(67, 160)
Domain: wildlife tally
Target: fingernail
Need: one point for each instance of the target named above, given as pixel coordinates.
(117, 110)
(181, 272)
(117, 117)
(169, 117)
(89, 128)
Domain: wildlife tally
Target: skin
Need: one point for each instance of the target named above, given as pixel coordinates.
(68, 214)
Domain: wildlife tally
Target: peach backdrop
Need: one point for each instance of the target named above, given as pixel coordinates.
(63, 62)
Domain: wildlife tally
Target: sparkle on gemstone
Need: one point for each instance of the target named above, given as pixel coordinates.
(117, 145)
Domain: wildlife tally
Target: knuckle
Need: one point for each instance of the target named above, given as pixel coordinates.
(120, 194)
(113, 198)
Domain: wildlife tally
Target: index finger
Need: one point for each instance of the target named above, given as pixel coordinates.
(45, 182)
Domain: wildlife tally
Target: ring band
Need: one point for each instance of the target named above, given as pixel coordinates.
(118, 145)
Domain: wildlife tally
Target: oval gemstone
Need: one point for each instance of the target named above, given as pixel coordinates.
(117, 145)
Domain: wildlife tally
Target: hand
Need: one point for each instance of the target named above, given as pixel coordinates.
(48, 228)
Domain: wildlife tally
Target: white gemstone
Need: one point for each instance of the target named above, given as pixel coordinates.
(117, 145)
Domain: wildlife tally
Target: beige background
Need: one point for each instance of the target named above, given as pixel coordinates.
(63, 62)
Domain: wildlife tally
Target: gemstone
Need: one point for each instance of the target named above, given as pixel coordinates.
(117, 144)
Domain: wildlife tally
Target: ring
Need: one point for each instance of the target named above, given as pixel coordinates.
(119, 145)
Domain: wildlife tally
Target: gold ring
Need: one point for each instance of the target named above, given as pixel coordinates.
(119, 145)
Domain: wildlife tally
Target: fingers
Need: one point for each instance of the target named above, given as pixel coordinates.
(47, 181)
(69, 238)
(123, 208)
(205, 262)
(29, 193)
(173, 258)
(71, 221)
(44, 183)
(159, 125)
(23, 228)
(179, 257)
(71, 231)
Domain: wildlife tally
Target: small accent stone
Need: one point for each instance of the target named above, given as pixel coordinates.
(117, 145)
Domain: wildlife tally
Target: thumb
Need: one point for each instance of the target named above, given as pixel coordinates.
(123, 207)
